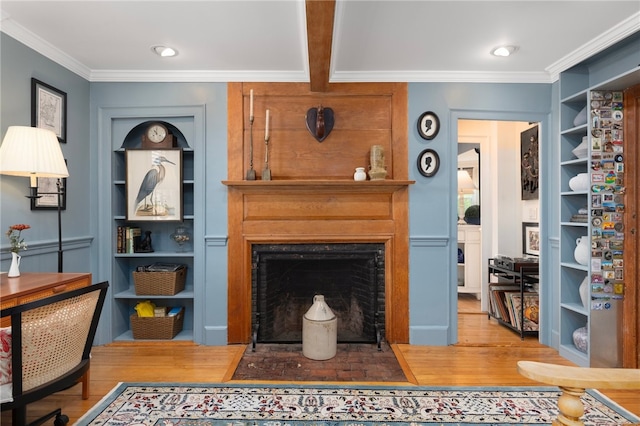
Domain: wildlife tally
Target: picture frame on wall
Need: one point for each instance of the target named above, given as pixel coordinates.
(153, 185)
(48, 194)
(531, 239)
(529, 164)
(49, 109)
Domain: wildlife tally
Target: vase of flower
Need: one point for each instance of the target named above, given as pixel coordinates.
(14, 269)
(17, 243)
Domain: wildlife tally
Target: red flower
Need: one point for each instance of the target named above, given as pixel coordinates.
(17, 243)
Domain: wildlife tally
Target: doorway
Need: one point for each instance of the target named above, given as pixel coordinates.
(498, 190)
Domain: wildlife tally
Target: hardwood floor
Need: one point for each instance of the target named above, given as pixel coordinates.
(486, 356)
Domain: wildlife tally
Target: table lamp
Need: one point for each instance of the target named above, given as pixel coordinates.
(465, 186)
(33, 152)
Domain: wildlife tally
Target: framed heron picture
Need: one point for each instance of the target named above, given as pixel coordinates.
(154, 185)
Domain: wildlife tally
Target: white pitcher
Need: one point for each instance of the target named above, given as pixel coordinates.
(14, 269)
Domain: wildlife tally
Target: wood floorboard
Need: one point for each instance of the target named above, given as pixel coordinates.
(486, 355)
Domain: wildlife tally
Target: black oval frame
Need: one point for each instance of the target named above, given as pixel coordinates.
(436, 157)
(436, 123)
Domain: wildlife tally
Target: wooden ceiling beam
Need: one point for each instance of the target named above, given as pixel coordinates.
(320, 15)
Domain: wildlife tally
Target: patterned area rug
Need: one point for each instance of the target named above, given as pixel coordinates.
(228, 404)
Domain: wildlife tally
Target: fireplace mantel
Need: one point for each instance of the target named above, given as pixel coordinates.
(377, 186)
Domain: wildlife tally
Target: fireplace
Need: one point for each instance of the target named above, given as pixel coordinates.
(285, 277)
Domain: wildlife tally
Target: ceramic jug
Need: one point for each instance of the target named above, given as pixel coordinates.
(581, 253)
(319, 331)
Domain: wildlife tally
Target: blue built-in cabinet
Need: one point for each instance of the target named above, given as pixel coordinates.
(122, 131)
(591, 283)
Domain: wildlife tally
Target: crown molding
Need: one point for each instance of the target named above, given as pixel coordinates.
(46, 49)
(198, 76)
(598, 44)
(441, 77)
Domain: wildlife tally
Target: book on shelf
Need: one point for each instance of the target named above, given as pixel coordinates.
(530, 311)
(120, 244)
(128, 239)
(497, 300)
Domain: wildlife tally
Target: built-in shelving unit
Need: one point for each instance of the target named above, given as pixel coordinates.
(573, 204)
(591, 112)
(165, 250)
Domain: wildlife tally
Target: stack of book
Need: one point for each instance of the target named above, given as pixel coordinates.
(582, 218)
(128, 239)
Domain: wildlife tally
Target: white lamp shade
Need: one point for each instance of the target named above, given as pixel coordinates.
(465, 184)
(33, 152)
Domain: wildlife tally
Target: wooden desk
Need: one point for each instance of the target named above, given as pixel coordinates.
(33, 286)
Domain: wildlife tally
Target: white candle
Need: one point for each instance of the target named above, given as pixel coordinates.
(266, 127)
(251, 104)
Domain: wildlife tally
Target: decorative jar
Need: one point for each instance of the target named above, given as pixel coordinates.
(584, 292)
(581, 339)
(360, 174)
(181, 237)
(582, 250)
(580, 182)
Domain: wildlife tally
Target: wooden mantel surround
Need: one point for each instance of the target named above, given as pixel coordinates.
(312, 197)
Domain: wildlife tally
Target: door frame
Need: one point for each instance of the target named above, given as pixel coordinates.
(546, 154)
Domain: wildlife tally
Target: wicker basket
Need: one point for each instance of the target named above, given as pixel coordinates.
(157, 327)
(159, 283)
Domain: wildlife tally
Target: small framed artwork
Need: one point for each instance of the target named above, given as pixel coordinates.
(531, 239)
(154, 185)
(49, 109)
(48, 194)
(428, 125)
(529, 164)
(428, 162)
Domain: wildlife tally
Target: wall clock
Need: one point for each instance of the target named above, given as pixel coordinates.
(428, 125)
(157, 136)
(428, 162)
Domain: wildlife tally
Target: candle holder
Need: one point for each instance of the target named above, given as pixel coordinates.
(266, 173)
(251, 173)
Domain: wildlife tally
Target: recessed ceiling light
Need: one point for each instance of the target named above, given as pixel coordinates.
(164, 51)
(504, 51)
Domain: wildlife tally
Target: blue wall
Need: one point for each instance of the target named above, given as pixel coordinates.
(19, 65)
(433, 217)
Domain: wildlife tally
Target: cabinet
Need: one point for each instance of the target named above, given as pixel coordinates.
(592, 211)
(513, 295)
(469, 255)
(165, 250)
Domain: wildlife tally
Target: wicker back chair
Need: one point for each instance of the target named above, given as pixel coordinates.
(51, 345)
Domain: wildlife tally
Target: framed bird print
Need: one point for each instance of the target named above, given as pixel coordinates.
(153, 185)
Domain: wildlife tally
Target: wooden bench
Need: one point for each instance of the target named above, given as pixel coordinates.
(573, 381)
